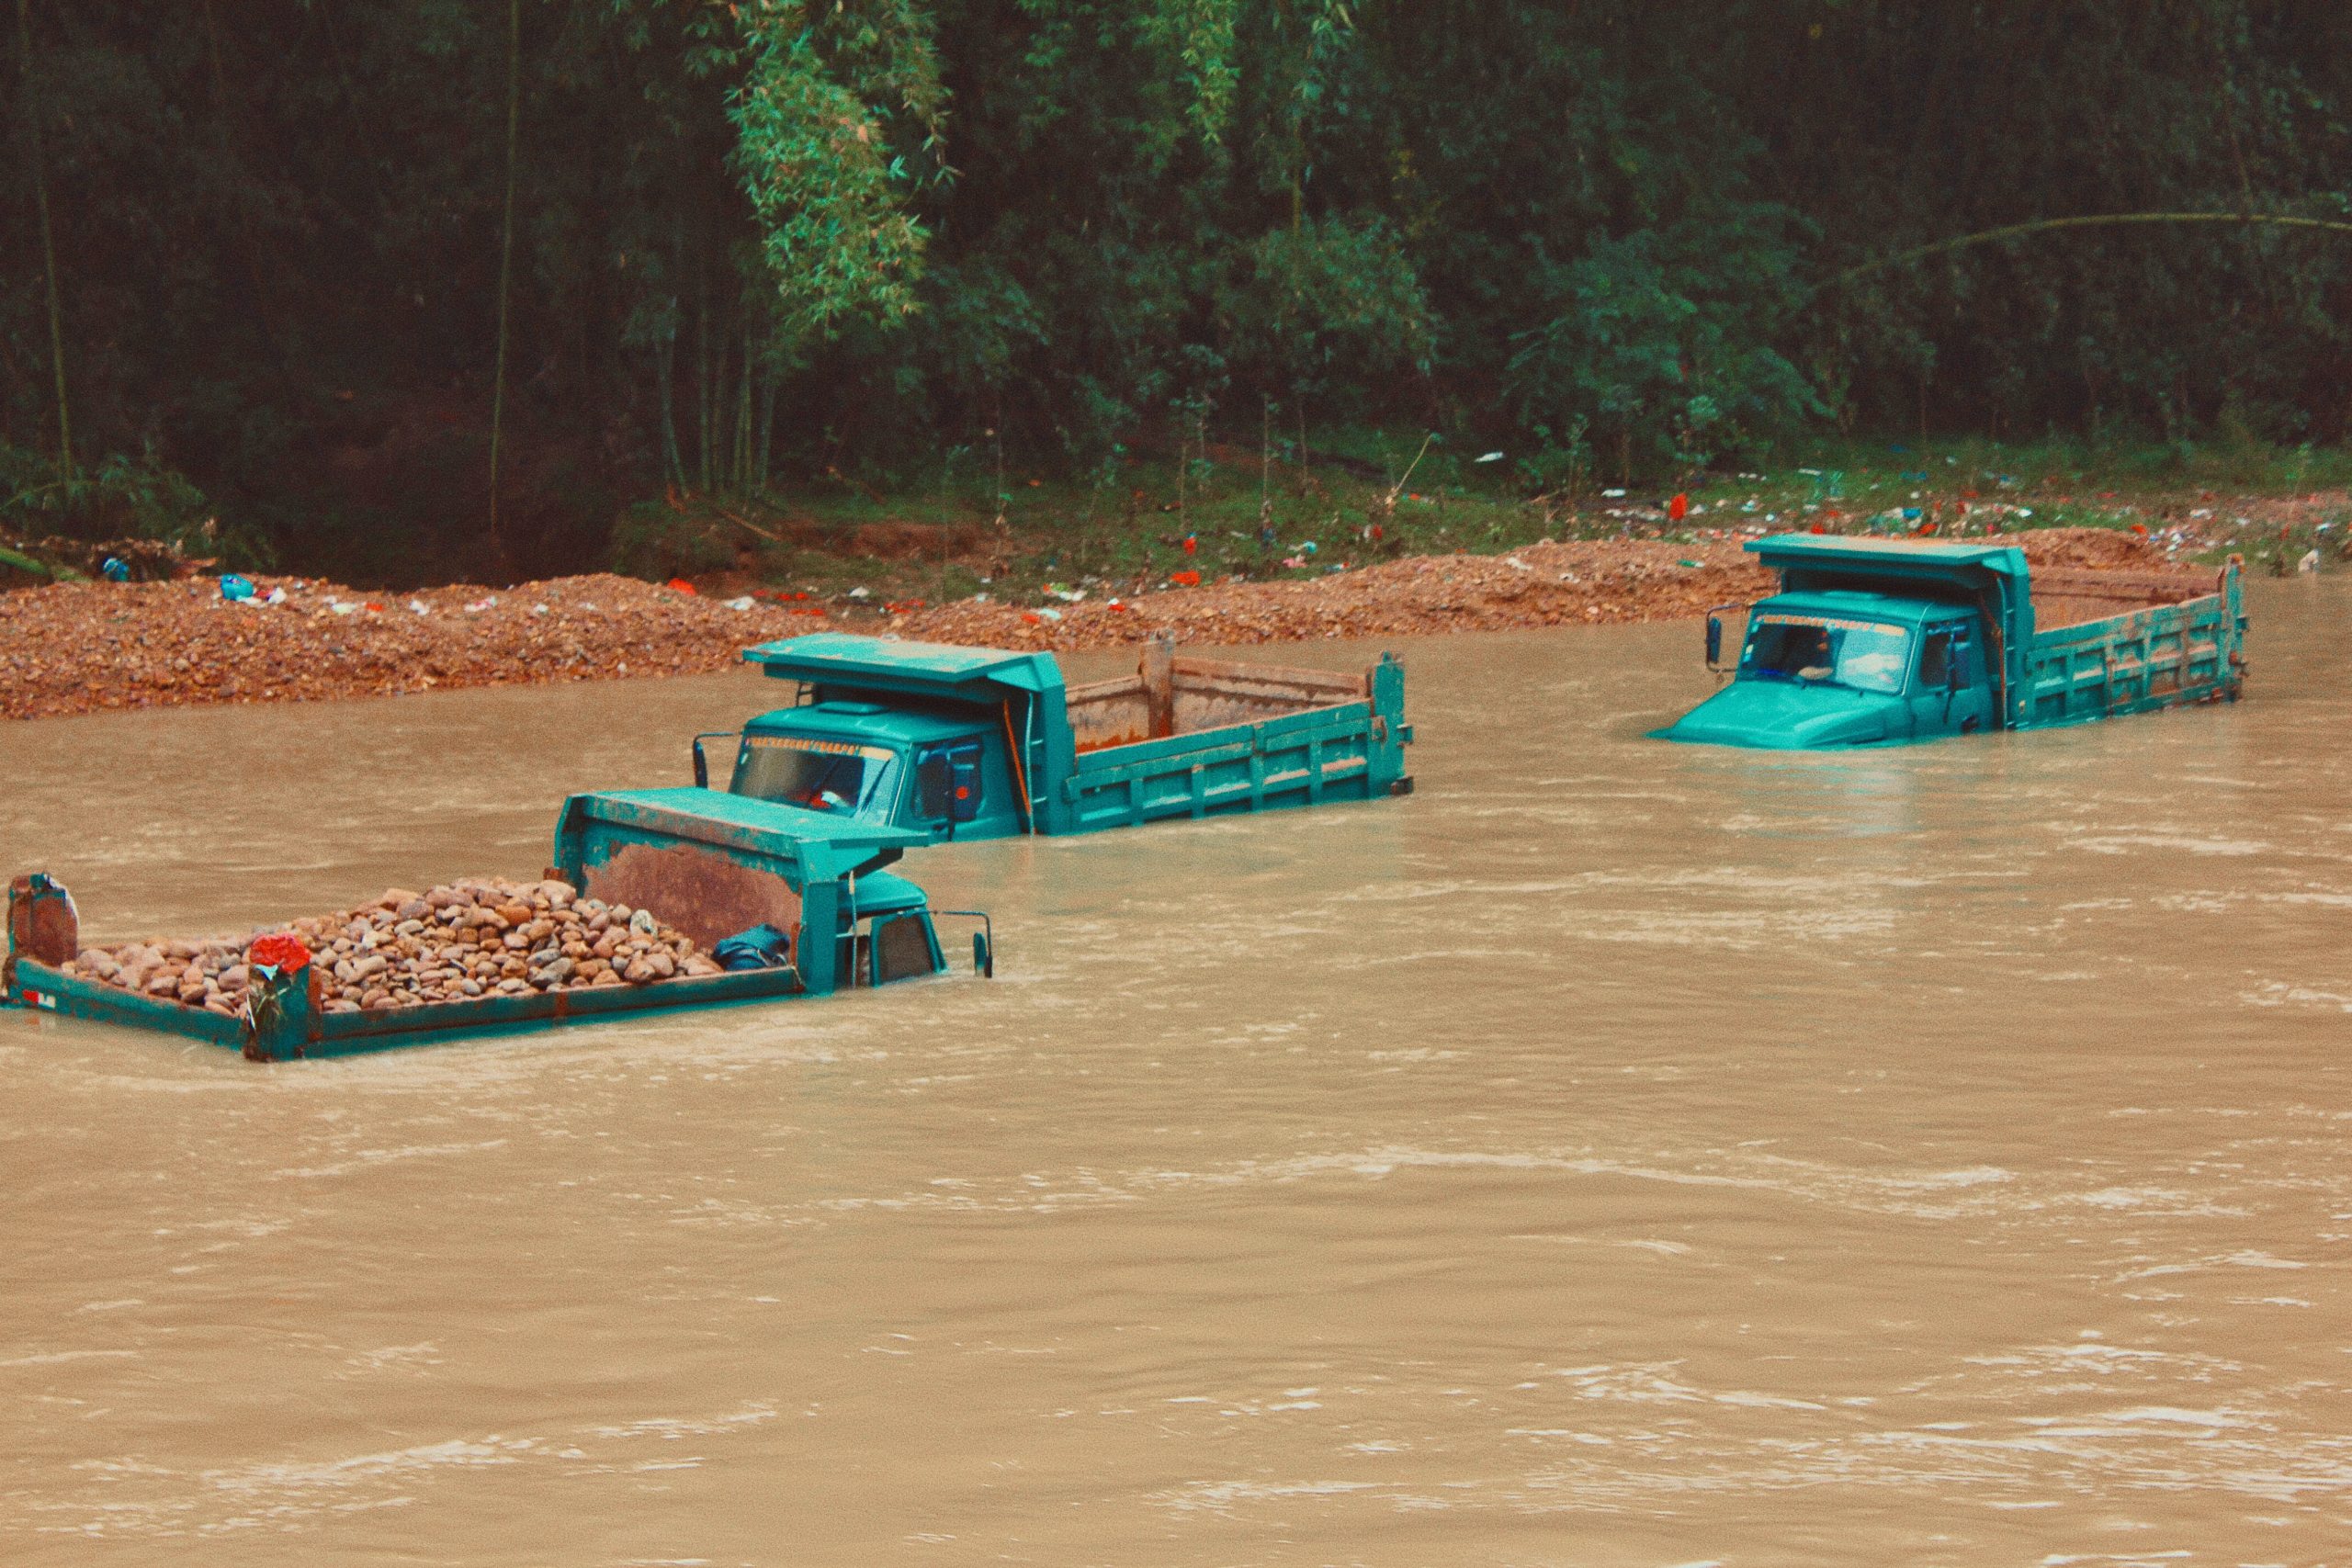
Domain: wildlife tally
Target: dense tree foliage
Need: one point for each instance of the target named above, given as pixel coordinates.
(767, 238)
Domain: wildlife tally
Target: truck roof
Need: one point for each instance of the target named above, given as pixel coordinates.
(922, 668)
(1815, 562)
(744, 823)
(1858, 604)
(1834, 546)
(859, 721)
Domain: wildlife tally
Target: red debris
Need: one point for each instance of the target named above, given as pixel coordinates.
(279, 950)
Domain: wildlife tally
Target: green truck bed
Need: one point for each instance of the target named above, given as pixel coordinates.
(2108, 643)
(712, 864)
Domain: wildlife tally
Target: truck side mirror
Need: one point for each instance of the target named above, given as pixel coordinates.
(702, 762)
(983, 956)
(1714, 641)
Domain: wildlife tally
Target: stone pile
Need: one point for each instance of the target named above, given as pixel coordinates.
(475, 937)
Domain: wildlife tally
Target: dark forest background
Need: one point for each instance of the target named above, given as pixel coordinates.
(295, 265)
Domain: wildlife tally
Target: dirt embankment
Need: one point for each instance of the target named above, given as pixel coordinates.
(81, 647)
(1576, 583)
(85, 647)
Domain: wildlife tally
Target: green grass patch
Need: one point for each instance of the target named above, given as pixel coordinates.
(1358, 496)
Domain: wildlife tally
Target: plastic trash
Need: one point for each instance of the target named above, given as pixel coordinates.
(743, 603)
(275, 596)
(860, 593)
(1489, 457)
(1192, 544)
(2309, 561)
(1677, 508)
(477, 606)
(679, 585)
(114, 570)
(237, 590)
(757, 947)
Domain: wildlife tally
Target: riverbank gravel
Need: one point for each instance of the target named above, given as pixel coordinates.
(87, 646)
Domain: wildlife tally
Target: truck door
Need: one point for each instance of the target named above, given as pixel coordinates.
(947, 784)
(1951, 693)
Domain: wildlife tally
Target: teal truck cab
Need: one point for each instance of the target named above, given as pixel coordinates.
(1880, 641)
(948, 742)
(813, 886)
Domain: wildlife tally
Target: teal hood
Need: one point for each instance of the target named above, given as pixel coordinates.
(1789, 715)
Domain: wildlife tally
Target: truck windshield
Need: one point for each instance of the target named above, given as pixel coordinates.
(824, 775)
(1869, 656)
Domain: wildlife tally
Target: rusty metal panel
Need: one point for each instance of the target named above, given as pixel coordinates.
(42, 923)
(702, 893)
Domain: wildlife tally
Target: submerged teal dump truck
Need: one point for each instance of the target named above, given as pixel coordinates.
(980, 743)
(1876, 642)
(715, 865)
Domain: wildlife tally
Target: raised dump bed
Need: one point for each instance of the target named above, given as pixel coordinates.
(755, 902)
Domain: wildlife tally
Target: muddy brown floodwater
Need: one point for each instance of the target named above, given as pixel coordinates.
(1614, 1154)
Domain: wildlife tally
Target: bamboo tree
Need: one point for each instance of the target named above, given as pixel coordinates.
(673, 461)
(767, 424)
(702, 374)
(506, 243)
(48, 239)
(744, 418)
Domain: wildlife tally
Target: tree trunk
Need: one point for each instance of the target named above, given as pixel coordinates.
(743, 419)
(48, 240)
(702, 374)
(673, 462)
(767, 427)
(505, 247)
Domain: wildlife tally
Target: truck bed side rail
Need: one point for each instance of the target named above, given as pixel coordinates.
(2157, 656)
(2065, 596)
(1324, 754)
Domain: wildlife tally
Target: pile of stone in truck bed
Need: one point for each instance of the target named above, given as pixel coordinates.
(476, 938)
